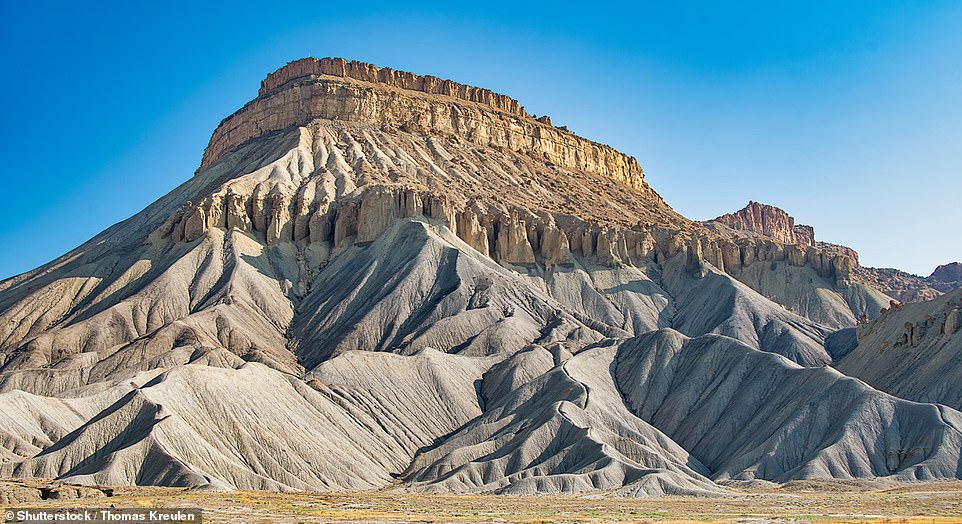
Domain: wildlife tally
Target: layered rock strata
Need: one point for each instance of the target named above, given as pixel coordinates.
(311, 67)
(897, 284)
(394, 101)
(510, 235)
(906, 287)
(760, 219)
(765, 221)
(310, 89)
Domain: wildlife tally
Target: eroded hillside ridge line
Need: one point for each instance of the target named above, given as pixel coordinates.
(518, 236)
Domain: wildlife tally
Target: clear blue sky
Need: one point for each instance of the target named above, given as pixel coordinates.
(846, 114)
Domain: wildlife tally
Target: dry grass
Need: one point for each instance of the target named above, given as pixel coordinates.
(800, 502)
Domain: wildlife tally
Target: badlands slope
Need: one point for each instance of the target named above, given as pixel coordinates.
(381, 279)
(912, 350)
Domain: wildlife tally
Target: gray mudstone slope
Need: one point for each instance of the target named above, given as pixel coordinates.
(912, 350)
(752, 415)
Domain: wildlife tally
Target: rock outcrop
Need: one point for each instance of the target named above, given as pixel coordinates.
(840, 249)
(509, 234)
(309, 67)
(817, 279)
(757, 219)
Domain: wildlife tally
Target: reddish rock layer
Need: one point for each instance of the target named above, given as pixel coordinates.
(769, 221)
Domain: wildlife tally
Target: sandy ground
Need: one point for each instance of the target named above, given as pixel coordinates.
(796, 502)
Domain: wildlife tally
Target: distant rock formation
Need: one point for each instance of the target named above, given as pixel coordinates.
(757, 219)
(900, 285)
(840, 249)
(762, 220)
(946, 277)
(906, 287)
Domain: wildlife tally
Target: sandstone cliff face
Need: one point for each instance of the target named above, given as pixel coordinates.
(395, 103)
(769, 221)
(305, 91)
(608, 231)
(842, 250)
(312, 67)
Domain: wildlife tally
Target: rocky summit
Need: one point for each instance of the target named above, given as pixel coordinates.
(381, 280)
